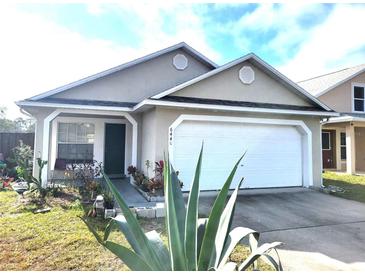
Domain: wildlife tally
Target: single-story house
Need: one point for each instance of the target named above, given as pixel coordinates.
(170, 102)
(343, 137)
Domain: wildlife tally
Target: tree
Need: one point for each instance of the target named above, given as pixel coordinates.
(17, 125)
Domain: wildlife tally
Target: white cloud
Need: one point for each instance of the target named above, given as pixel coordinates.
(279, 21)
(334, 44)
(37, 54)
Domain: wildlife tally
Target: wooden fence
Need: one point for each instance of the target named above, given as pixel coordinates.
(8, 141)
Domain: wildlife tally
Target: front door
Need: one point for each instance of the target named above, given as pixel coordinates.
(114, 153)
(327, 150)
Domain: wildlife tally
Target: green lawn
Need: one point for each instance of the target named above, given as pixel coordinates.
(353, 185)
(59, 240)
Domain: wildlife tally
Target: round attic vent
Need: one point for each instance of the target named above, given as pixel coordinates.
(247, 75)
(180, 62)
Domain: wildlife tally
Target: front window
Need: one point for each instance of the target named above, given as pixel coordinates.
(75, 142)
(343, 146)
(359, 97)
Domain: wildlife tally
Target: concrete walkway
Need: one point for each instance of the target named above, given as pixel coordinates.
(132, 197)
(319, 231)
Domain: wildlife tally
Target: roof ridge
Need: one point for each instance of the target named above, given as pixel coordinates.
(333, 72)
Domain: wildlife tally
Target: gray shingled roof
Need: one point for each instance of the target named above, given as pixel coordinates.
(182, 99)
(320, 84)
(87, 102)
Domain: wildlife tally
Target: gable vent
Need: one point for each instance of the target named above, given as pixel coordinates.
(180, 62)
(247, 75)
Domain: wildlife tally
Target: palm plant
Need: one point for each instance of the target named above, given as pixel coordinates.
(193, 243)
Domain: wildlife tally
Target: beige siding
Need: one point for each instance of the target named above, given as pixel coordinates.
(148, 139)
(360, 148)
(138, 82)
(226, 85)
(164, 117)
(340, 98)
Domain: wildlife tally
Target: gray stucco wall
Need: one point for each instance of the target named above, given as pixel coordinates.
(164, 117)
(226, 85)
(138, 82)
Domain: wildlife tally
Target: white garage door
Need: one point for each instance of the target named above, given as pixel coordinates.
(273, 154)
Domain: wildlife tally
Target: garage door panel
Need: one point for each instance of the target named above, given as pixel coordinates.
(273, 158)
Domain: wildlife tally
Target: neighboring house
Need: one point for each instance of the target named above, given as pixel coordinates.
(172, 101)
(343, 137)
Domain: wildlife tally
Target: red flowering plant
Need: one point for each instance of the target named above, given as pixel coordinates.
(5, 182)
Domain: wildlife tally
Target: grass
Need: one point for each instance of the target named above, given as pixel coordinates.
(59, 240)
(353, 185)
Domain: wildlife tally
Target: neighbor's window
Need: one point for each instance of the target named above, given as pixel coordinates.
(359, 97)
(326, 141)
(343, 146)
(76, 141)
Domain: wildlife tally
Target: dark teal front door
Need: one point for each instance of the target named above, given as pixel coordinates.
(114, 153)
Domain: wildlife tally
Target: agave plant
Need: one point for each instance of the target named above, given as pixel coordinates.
(193, 243)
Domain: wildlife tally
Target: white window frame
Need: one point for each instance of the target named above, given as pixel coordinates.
(329, 140)
(353, 85)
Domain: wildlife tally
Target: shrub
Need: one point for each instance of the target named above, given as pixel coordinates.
(194, 244)
(23, 158)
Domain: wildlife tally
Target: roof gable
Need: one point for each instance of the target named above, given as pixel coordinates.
(293, 90)
(320, 85)
(181, 46)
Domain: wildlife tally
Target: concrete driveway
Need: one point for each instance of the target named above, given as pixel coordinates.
(319, 231)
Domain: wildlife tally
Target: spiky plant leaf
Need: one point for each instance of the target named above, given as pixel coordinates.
(175, 218)
(263, 249)
(191, 225)
(93, 231)
(160, 248)
(121, 222)
(131, 259)
(207, 248)
(147, 252)
(108, 229)
(202, 223)
(223, 228)
(234, 237)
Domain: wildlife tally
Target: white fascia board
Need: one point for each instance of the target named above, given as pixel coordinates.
(70, 106)
(176, 104)
(233, 108)
(198, 54)
(339, 83)
(236, 62)
(344, 119)
(289, 82)
(148, 57)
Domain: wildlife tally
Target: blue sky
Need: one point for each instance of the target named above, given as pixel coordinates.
(49, 45)
(123, 26)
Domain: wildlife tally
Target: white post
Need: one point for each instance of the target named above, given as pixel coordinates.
(46, 139)
(350, 149)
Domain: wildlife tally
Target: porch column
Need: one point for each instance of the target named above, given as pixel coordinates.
(46, 142)
(350, 149)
